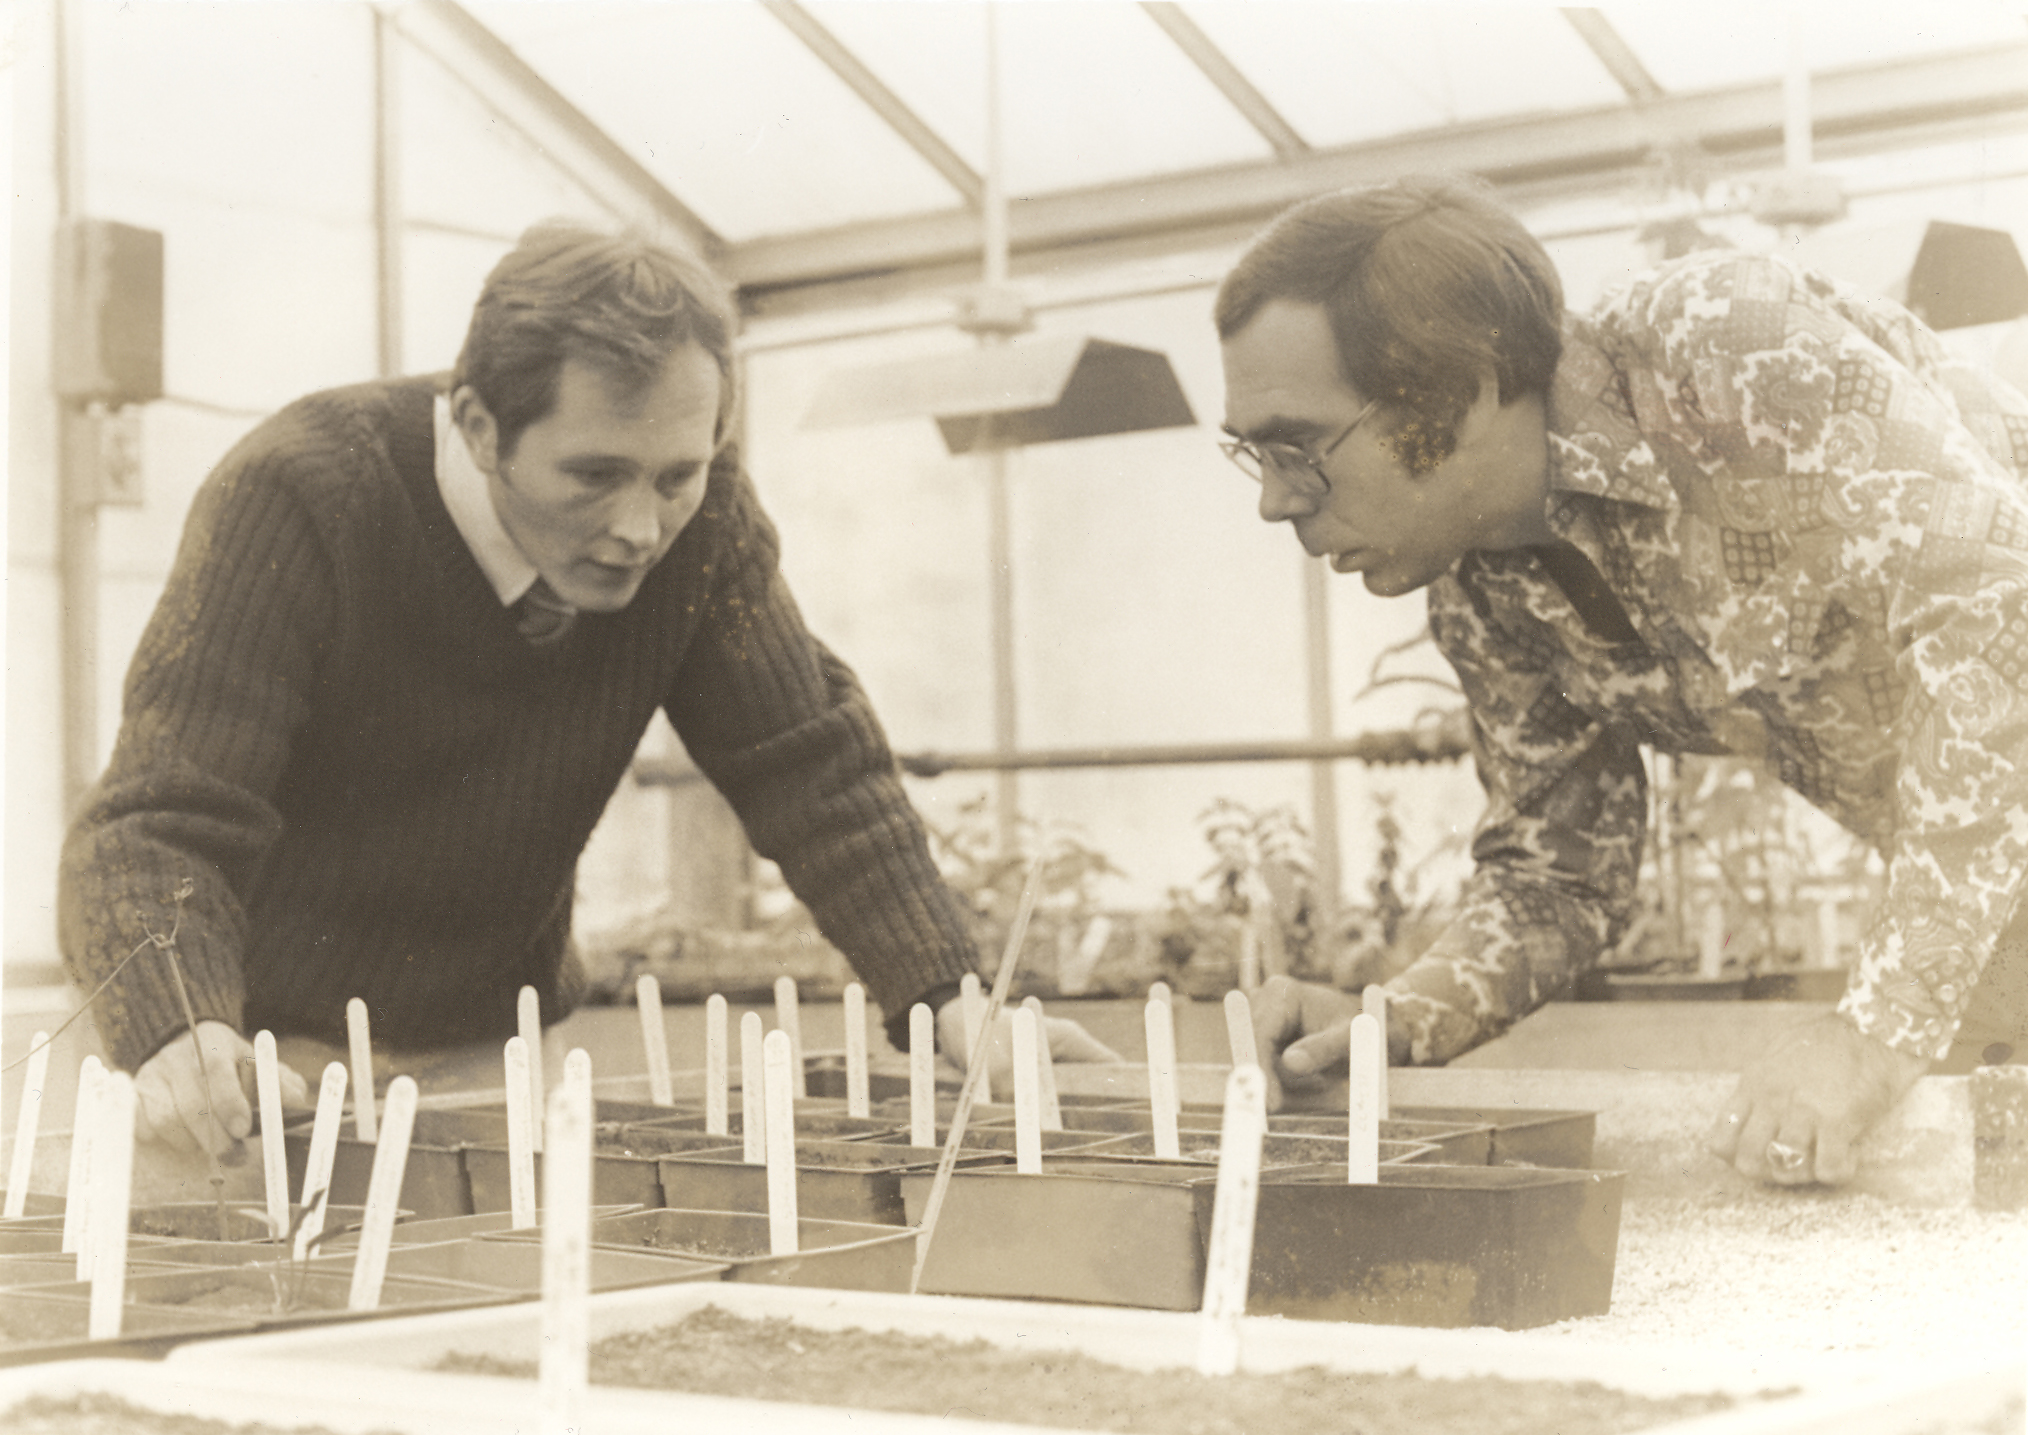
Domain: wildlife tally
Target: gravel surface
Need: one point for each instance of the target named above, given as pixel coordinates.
(1766, 1270)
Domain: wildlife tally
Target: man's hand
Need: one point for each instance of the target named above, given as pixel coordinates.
(1800, 1109)
(1304, 1033)
(195, 1095)
(1068, 1041)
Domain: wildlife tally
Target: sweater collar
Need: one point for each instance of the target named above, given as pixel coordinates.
(466, 496)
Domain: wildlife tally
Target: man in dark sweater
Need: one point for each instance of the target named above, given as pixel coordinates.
(410, 643)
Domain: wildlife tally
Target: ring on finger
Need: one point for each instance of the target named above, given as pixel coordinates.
(1784, 1159)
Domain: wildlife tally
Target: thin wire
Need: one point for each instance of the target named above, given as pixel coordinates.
(145, 943)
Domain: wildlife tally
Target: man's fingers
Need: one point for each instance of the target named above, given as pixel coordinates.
(1837, 1154)
(159, 1119)
(295, 1090)
(1323, 1051)
(1722, 1140)
(1069, 1041)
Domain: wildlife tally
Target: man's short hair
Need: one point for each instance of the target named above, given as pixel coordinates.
(1428, 282)
(620, 302)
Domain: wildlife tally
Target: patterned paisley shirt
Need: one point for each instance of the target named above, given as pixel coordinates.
(1816, 521)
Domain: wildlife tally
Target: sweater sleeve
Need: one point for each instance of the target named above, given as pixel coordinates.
(782, 727)
(171, 835)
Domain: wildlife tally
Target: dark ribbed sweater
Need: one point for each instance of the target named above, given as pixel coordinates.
(380, 789)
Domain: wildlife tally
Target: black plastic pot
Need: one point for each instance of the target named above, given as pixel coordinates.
(625, 1169)
(1088, 1228)
(835, 1180)
(1436, 1245)
(515, 1267)
(433, 1182)
(1522, 1136)
(833, 1255)
(40, 1325)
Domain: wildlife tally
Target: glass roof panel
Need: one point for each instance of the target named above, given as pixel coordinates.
(1090, 92)
(728, 109)
(1706, 47)
(1342, 73)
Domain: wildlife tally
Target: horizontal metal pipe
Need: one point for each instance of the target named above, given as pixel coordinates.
(1434, 744)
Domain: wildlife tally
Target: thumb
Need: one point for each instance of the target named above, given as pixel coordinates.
(295, 1090)
(1069, 1041)
(1321, 1052)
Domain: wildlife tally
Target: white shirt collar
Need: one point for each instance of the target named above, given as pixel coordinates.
(466, 495)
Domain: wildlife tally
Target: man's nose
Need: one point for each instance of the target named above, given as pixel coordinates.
(1279, 502)
(637, 519)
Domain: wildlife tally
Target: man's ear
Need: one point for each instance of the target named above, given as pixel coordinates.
(480, 429)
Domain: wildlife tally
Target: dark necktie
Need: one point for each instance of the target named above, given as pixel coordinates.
(542, 615)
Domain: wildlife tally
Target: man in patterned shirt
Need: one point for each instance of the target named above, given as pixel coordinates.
(1737, 508)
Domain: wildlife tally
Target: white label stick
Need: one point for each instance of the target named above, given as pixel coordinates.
(1027, 1097)
(383, 1195)
(1228, 1262)
(1362, 1164)
(323, 1152)
(654, 1039)
(1159, 992)
(25, 1125)
(1373, 1001)
(528, 1016)
(717, 1118)
(520, 1136)
(858, 1100)
(77, 1191)
(1239, 1029)
(753, 1120)
(359, 1040)
(564, 1369)
(1052, 1106)
(113, 1176)
(922, 1076)
(789, 1021)
(778, 1059)
(274, 1158)
(1162, 1078)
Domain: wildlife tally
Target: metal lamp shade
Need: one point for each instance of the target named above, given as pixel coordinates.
(1012, 395)
(1949, 275)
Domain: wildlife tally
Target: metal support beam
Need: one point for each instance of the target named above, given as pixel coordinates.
(524, 101)
(880, 99)
(387, 205)
(78, 450)
(1204, 53)
(1740, 125)
(1615, 54)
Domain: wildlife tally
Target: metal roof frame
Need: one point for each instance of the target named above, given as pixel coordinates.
(1739, 127)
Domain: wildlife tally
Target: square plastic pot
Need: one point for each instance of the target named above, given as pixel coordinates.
(515, 1267)
(1522, 1136)
(835, 1180)
(1507, 1246)
(268, 1298)
(625, 1166)
(1088, 1228)
(833, 1255)
(433, 1182)
(44, 1325)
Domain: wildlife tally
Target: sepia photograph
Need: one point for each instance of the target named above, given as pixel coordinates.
(966, 716)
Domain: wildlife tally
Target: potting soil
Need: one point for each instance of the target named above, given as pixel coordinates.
(712, 1352)
(97, 1414)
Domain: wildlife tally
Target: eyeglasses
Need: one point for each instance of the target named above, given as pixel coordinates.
(1293, 464)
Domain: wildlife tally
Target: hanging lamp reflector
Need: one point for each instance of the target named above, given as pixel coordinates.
(1011, 395)
(1948, 275)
